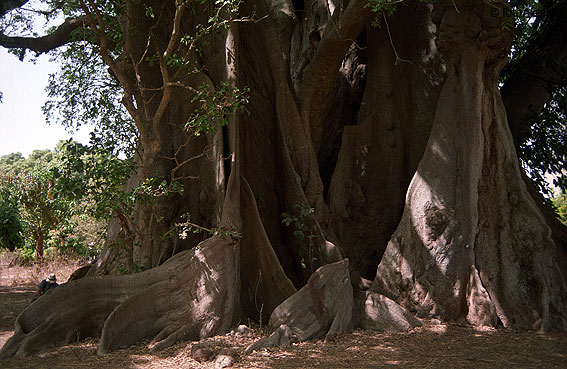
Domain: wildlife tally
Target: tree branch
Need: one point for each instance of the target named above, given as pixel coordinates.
(8, 5)
(117, 71)
(163, 58)
(61, 36)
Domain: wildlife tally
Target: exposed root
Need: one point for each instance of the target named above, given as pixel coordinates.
(191, 296)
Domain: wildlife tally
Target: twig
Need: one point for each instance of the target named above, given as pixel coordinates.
(261, 309)
(398, 59)
(456, 9)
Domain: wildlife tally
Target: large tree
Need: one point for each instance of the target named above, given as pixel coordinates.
(388, 145)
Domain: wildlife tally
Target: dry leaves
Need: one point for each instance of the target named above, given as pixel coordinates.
(435, 345)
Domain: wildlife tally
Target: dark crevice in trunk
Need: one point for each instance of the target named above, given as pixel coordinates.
(299, 6)
(226, 154)
(349, 87)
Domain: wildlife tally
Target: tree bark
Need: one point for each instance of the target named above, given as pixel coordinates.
(426, 194)
(61, 36)
(192, 296)
(471, 242)
(379, 155)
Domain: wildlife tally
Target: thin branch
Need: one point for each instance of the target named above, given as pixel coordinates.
(192, 46)
(455, 5)
(176, 32)
(398, 59)
(199, 227)
(166, 92)
(183, 85)
(163, 57)
(119, 73)
(187, 177)
(251, 18)
(139, 82)
(58, 6)
(184, 162)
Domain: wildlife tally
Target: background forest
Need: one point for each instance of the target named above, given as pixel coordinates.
(59, 202)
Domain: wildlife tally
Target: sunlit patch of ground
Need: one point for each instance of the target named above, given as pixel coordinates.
(434, 345)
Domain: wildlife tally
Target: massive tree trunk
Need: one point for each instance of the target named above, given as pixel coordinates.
(471, 242)
(379, 155)
(408, 165)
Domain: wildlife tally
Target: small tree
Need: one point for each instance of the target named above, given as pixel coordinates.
(42, 209)
(11, 229)
(50, 193)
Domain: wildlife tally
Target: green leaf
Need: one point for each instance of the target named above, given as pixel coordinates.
(149, 11)
(299, 235)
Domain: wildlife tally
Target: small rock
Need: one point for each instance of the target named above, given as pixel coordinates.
(202, 353)
(224, 361)
(243, 329)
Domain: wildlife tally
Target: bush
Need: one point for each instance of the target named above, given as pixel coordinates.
(11, 228)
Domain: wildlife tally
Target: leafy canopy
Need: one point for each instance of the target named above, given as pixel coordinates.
(543, 151)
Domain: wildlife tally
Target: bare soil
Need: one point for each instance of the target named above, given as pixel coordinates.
(434, 345)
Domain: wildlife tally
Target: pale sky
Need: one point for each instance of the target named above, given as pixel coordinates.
(22, 124)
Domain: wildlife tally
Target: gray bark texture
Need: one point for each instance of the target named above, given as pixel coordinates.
(471, 242)
(395, 137)
(190, 297)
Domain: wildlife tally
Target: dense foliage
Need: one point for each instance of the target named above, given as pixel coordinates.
(83, 92)
(60, 200)
(11, 229)
(542, 148)
(560, 203)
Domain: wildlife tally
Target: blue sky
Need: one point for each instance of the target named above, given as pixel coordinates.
(22, 124)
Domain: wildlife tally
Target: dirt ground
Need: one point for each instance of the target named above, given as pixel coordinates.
(432, 346)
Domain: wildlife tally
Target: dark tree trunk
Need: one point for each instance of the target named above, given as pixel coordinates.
(414, 179)
(38, 237)
(380, 154)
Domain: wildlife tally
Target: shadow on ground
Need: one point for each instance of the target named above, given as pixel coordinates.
(434, 345)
